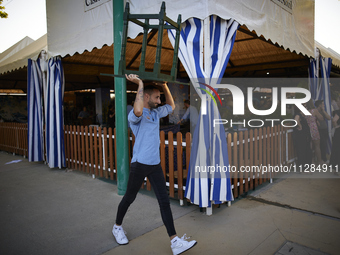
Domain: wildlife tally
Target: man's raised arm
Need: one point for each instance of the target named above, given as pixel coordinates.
(139, 102)
(168, 97)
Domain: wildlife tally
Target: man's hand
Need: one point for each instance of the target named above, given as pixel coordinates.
(133, 78)
(168, 97)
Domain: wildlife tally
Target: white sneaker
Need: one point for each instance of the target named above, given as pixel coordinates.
(119, 234)
(180, 245)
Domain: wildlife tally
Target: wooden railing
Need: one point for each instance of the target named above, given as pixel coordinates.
(92, 150)
(13, 138)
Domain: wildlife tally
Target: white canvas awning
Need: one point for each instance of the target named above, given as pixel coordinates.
(15, 48)
(329, 53)
(16, 59)
(76, 26)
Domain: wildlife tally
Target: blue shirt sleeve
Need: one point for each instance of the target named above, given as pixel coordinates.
(133, 118)
(186, 114)
(164, 110)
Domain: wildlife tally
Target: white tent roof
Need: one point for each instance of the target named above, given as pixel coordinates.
(18, 58)
(15, 48)
(76, 26)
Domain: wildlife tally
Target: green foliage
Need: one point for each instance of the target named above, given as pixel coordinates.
(3, 14)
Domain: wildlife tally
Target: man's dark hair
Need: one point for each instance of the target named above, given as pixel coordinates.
(149, 89)
(187, 102)
(318, 102)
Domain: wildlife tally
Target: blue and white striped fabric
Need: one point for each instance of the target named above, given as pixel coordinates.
(313, 79)
(34, 110)
(320, 89)
(207, 65)
(325, 95)
(55, 146)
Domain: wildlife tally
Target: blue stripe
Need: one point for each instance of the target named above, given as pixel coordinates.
(228, 56)
(29, 114)
(34, 105)
(215, 42)
(196, 47)
(55, 130)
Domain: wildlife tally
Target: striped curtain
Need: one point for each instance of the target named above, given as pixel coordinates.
(320, 88)
(325, 95)
(313, 79)
(34, 111)
(204, 50)
(55, 146)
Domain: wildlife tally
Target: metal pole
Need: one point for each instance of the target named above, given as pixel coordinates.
(120, 102)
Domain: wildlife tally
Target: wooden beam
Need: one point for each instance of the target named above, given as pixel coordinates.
(151, 45)
(246, 39)
(269, 66)
(86, 69)
(152, 34)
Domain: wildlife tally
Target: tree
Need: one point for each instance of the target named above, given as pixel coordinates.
(2, 13)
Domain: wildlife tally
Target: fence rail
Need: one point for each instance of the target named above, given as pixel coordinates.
(13, 138)
(92, 150)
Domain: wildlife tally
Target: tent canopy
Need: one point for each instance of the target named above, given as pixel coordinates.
(252, 56)
(87, 51)
(291, 26)
(16, 56)
(15, 48)
(329, 53)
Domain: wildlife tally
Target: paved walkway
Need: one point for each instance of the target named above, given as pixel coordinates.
(50, 211)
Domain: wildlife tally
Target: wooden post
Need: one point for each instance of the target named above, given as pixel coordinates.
(95, 141)
(240, 149)
(171, 164)
(260, 155)
(256, 157)
(180, 166)
(251, 157)
(91, 151)
(100, 148)
(86, 135)
(235, 163)
(246, 159)
(111, 152)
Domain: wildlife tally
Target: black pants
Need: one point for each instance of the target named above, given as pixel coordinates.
(138, 172)
(323, 143)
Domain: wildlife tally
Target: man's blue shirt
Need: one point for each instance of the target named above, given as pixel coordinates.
(146, 131)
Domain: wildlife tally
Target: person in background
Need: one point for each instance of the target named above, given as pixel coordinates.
(314, 131)
(111, 119)
(335, 106)
(335, 102)
(323, 117)
(190, 115)
(335, 155)
(83, 114)
(302, 139)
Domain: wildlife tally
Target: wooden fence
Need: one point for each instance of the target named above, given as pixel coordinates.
(92, 150)
(13, 138)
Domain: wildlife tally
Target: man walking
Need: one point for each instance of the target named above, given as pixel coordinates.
(144, 123)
